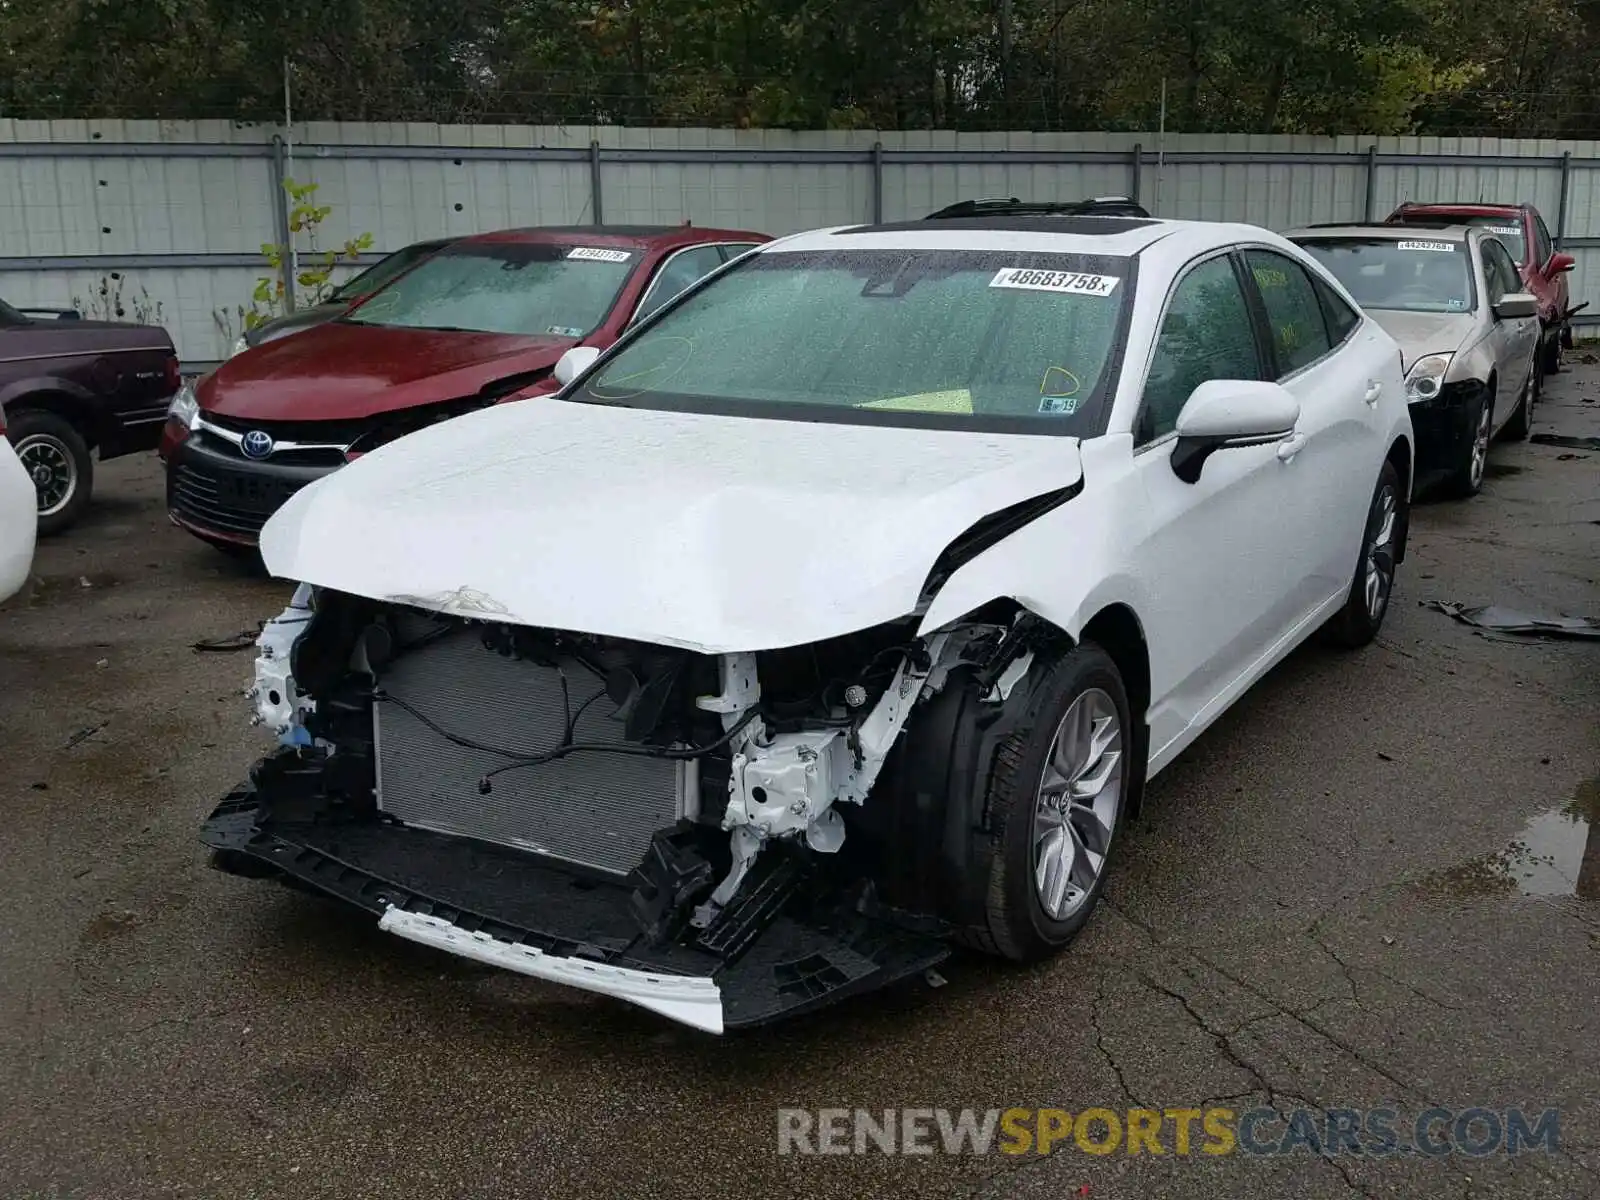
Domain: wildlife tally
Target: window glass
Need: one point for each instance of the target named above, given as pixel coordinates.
(381, 272)
(961, 336)
(1206, 334)
(732, 250)
(1541, 236)
(1409, 274)
(1508, 230)
(1501, 271)
(505, 287)
(1299, 334)
(10, 316)
(1341, 318)
(680, 271)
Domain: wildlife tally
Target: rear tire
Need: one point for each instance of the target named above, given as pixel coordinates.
(1358, 622)
(1550, 351)
(1049, 826)
(58, 459)
(1520, 424)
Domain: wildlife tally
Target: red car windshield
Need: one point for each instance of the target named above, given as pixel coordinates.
(505, 287)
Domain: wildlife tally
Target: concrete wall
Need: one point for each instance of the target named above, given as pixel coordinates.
(181, 209)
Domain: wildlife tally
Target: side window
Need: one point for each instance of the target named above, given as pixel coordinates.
(682, 269)
(1206, 334)
(1500, 272)
(732, 250)
(1543, 246)
(1299, 333)
(1336, 311)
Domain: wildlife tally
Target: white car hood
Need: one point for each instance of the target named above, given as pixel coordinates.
(712, 533)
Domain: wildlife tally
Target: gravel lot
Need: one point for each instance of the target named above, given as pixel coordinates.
(1321, 906)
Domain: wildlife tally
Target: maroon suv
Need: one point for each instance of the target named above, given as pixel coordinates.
(73, 388)
(483, 319)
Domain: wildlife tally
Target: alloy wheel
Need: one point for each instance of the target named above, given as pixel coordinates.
(1078, 801)
(52, 468)
(1480, 446)
(1381, 523)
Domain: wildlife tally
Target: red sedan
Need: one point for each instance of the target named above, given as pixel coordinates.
(482, 320)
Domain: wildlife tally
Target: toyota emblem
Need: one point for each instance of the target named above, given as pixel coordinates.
(256, 444)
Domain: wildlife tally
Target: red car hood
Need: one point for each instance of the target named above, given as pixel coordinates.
(343, 371)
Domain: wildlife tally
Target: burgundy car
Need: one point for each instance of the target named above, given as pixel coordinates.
(72, 389)
(483, 319)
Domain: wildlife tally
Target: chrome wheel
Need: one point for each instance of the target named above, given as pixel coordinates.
(52, 468)
(1076, 811)
(1380, 551)
(1480, 445)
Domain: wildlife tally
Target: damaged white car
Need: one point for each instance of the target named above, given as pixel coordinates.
(838, 614)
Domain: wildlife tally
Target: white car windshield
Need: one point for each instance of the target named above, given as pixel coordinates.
(980, 339)
(1411, 274)
(505, 287)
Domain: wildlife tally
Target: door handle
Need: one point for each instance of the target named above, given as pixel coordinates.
(1290, 446)
(1374, 390)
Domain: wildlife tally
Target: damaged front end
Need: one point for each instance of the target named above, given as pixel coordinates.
(723, 839)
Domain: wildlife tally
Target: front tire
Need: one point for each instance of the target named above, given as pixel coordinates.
(59, 461)
(1061, 784)
(1367, 603)
(1466, 479)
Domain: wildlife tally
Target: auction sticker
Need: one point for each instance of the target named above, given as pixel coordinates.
(1054, 281)
(1437, 247)
(599, 254)
(1509, 230)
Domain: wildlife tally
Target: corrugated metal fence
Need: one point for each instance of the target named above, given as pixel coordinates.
(179, 210)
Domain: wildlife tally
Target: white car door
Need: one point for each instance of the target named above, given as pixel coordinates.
(1226, 556)
(1338, 368)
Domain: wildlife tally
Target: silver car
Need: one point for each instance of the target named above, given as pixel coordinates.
(1468, 334)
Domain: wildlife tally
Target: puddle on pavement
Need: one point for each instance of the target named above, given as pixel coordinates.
(1556, 854)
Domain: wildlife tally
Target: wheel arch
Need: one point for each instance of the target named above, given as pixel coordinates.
(58, 396)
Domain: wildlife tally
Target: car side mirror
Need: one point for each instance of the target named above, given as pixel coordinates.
(1222, 414)
(574, 363)
(1514, 306)
(1560, 263)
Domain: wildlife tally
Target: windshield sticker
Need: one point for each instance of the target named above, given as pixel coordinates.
(1063, 406)
(564, 330)
(1438, 247)
(1508, 230)
(599, 254)
(1054, 281)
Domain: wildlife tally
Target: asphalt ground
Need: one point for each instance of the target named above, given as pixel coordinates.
(1326, 905)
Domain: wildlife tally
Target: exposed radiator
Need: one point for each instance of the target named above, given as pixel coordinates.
(596, 809)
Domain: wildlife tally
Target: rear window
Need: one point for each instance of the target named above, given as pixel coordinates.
(1411, 274)
(975, 339)
(505, 287)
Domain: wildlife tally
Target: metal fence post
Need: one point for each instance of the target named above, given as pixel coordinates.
(877, 183)
(1372, 183)
(280, 213)
(594, 183)
(1135, 169)
(1561, 206)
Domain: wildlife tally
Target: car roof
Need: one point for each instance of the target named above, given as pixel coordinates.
(1110, 236)
(618, 235)
(1474, 208)
(1441, 232)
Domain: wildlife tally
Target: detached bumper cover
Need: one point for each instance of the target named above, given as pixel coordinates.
(516, 910)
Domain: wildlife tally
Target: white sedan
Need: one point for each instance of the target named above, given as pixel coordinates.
(19, 518)
(839, 612)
